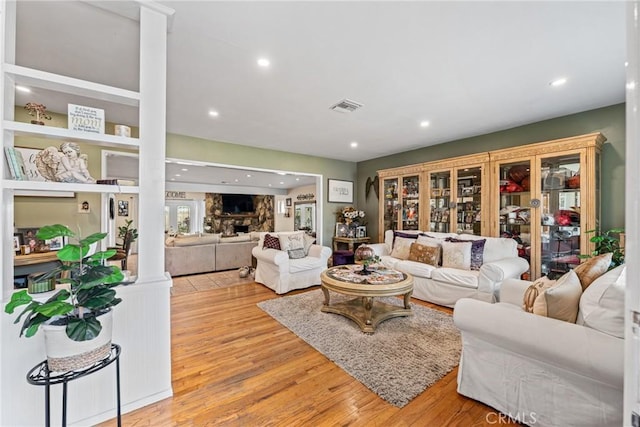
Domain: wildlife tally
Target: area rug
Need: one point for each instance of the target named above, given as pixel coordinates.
(399, 361)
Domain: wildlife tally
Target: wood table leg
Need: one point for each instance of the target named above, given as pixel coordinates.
(407, 299)
(367, 303)
(325, 291)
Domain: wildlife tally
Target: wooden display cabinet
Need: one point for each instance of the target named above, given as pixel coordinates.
(400, 201)
(546, 196)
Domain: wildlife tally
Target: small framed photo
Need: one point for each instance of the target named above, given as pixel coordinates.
(56, 243)
(465, 182)
(342, 230)
(445, 192)
(435, 192)
(123, 208)
(467, 191)
(340, 191)
(361, 231)
(17, 242)
(288, 202)
(84, 207)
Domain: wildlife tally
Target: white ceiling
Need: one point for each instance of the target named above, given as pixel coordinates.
(469, 68)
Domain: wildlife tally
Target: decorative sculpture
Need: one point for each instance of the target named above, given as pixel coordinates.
(39, 111)
(64, 165)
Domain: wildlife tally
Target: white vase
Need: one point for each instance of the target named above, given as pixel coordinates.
(65, 354)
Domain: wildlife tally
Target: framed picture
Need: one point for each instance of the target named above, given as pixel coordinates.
(445, 192)
(84, 207)
(340, 191)
(435, 192)
(17, 242)
(465, 183)
(361, 231)
(123, 208)
(342, 230)
(288, 202)
(56, 243)
(467, 191)
(29, 238)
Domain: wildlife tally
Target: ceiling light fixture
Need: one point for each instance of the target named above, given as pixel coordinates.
(184, 169)
(354, 144)
(424, 124)
(263, 62)
(213, 113)
(23, 89)
(177, 174)
(281, 183)
(248, 175)
(558, 82)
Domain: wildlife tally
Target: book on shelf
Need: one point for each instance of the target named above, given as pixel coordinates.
(16, 164)
(116, 181)
(21, 169)
(12, 168)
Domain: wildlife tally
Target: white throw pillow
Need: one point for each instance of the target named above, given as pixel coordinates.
(430, 241)
(291, 241)
(561, 300)
(402, 247)
(456, 255)
(602, 303)
(308, 241)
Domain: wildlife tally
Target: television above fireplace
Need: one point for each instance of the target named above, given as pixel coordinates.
(237, 203)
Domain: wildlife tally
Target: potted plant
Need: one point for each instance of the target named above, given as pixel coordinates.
(77, 319)
(605, 242)
(39, 111)
(126, 229)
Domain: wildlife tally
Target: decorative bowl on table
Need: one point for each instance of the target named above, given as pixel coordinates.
(365, 256)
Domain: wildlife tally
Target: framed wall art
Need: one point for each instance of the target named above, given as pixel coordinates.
(123, 208)
(340, 191)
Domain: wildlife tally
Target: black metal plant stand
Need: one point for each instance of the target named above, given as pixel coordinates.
(40, 375)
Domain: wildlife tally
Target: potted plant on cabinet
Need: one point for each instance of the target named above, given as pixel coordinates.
(76, 319)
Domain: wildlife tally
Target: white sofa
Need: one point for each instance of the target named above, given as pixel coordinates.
(542, 371)
(445, 285)
(277, 271)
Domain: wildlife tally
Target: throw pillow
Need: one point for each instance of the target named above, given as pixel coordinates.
(560, 301)
(602, 303)
(456, 255)
(292, 241)
(308, 241)
(271, 242)
(424, 254)
(426, 240)
(477, 251)
(296, 253)
(535, 289)
(593, 268)
(401, 247)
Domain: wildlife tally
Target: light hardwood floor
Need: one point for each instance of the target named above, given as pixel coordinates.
(234, 365)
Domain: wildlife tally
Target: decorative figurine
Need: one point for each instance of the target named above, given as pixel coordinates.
(39, 111)
(64, 165)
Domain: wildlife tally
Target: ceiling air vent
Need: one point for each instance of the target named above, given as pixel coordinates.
(346, 106)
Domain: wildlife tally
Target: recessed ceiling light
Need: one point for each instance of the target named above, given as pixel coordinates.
(236, 180)
(424, 124)
(558, 82)
(213, 113)
(177, 174)
(172, 179)
(269, 185)
(281, 183)
(248, 175)
(23, 89)
(263, 62)
(184, 169)
(354, 144)
(297, 179)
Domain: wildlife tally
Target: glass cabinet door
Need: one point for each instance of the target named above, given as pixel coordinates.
(515, 204)
(468, 201)
(560, 214)
(391, 204)
(439, 199)
(410, 202)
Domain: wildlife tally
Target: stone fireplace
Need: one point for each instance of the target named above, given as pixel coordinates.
(230, 224)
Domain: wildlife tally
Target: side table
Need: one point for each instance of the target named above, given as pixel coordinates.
(352, 242)
(40, 375)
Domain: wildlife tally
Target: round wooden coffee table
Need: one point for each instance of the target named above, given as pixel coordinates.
(363, 310)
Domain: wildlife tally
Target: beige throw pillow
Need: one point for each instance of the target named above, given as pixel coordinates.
(291, 241)
(424, 254)
(562, 300)
(593, 268)
(534, 290)
(456, 255)
(401, 247)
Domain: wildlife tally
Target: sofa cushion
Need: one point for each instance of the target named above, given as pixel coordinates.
(593, 268)
(457, 277)
(290, 241)
(535, 289)
(206, 239)
(424, 254)
(296, 253)
(308, 241)
(306, 263)
(246, 237)
(456, 255)
(401, 247)
(271, 242)
(417, 269)
(602, 303)
(477, 250)
(560, 301)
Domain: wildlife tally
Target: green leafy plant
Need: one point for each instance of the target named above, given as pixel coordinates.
(89, 294)
(607, 242)
(125, 229)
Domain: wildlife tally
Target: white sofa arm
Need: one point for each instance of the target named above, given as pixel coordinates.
(512, 291)
(272, 256)
(504, 268)
(379, 249)
(564, 345)
(318, 251)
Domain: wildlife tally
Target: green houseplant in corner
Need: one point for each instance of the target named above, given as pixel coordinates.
(78, 315)
(605, 242)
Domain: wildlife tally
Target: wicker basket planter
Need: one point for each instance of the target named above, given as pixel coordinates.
(65, 354)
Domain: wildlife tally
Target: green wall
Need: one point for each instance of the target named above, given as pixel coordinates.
(610, 121)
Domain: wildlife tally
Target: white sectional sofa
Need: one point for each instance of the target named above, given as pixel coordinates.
(444, 285)
(541, 370)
